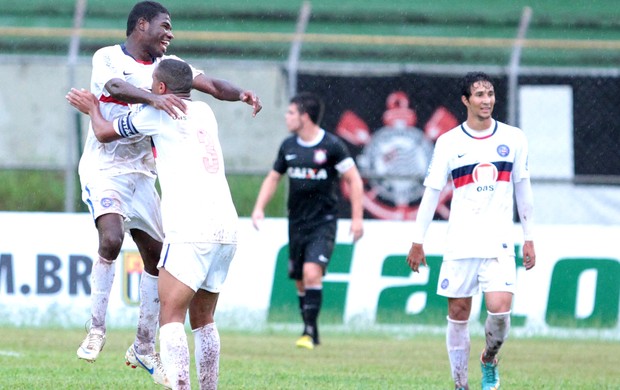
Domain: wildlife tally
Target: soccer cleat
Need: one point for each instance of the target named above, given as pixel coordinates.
(490, 375)
(151, 363)
(305, 341)
(91, 346)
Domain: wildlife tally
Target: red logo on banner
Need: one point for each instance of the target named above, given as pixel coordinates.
(395, 157)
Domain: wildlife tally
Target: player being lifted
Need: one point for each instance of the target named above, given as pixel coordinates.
(118, 178)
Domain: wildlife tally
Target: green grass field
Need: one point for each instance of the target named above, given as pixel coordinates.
(45, 359)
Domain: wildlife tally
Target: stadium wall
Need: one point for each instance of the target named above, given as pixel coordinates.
(574, 291)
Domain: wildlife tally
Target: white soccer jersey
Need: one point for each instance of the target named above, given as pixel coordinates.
(125, 155)
(196, 201)
(483, 170)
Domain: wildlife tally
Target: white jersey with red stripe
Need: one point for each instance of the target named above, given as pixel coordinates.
(196, 201)
(125, 155)
(484, 167)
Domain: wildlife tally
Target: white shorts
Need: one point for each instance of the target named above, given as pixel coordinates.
(198, 265)
(132, 195)
(467, 277)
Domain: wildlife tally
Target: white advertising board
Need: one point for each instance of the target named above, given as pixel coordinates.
(574, 291)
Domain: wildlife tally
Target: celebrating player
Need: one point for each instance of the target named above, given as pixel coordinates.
(487, 161)
(199, 217)
(313, 159)
(118, 178)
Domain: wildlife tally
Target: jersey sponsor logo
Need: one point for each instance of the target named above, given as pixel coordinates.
(503, 150)
(323, 259)
(289, 157)
(485, 173)
(320, 156)
(305, 173)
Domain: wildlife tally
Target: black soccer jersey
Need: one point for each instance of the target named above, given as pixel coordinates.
(313, 178)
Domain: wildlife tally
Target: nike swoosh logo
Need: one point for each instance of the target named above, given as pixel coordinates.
(509, 284)
(150, 370)
(460, 155)
(126, 74)
(289, 157)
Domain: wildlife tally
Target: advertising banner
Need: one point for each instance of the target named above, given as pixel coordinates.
(574, 290)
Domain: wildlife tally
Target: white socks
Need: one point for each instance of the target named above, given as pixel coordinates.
(458, 344)
(101, 279)
(148, 319)
(496, 331)
(207, 354)
(175, 354)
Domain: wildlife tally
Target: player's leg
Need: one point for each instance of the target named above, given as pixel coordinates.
(458, 341)
(201, 312)
(458, 282)
(146, 333)
(498, 278)
(106, 208)
(175, 300)
(317, 254)
(295, 269)
(206, 338)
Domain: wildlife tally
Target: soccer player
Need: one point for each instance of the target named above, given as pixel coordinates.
(314, 161)
(487, 162)
(199, 217)
(118, 178)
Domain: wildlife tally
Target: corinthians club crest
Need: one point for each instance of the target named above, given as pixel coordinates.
(395, 157)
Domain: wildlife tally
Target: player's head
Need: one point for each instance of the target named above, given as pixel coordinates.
(311, 104)
(146, 10)
(467, 82)
(478, 95)
(175, 75)
(149, 28)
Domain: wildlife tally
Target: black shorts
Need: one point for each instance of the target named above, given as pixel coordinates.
(313, 246)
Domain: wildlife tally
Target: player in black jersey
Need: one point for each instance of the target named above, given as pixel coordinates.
(315, 162)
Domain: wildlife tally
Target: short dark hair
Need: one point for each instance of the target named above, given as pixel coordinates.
(311, 104)
(176, 74)
(144, 9)
(472, 78)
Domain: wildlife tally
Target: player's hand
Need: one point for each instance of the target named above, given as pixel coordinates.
(357, 229)
(529, 255)
(250, 98)
(167, 103)
(416, 257)
(83, 100)
(257, 217)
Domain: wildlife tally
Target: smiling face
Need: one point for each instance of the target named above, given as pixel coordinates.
(481, 101)
(158, 34)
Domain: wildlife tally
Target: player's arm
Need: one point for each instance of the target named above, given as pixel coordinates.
(266, 192)
(224, 90)
(525, 208)
(122, 90)
(426, 211)
(87, 103)
(356, 187)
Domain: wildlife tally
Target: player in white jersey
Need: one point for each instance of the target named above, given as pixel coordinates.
(199, 217)
(487, 163)
(118, 179)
